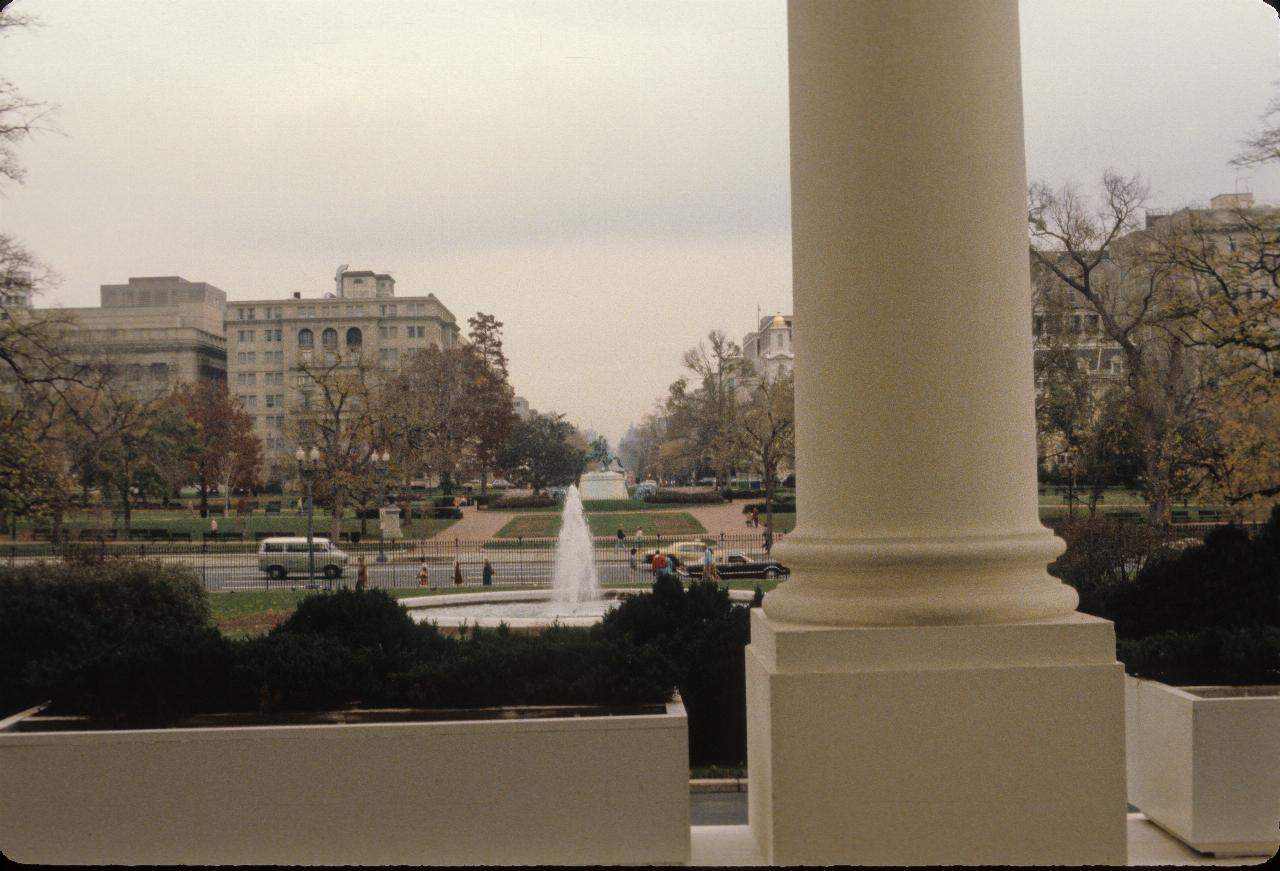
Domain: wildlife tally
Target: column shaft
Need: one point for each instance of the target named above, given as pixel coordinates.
(914, 397)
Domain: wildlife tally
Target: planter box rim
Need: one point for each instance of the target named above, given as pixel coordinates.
(29, 725)
(1215, 692)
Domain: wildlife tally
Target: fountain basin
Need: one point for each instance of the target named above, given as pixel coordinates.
(520, 610)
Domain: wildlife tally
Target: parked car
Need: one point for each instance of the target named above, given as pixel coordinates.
(685, 553)
(737, 564)
(283, 556)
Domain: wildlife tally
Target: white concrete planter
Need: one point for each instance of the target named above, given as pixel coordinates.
(1204, 763)
(548, 790)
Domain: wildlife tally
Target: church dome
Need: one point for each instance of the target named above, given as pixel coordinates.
(778, 322)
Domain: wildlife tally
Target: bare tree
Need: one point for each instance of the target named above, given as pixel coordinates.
(20, 117)
(339, 403)
(766, 431)
(1262, 145)
(1095, 249)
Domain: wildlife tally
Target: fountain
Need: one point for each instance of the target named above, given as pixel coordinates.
(575, 597)
(574, 579)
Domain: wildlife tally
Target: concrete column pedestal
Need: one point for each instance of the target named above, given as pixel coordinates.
(937, 745)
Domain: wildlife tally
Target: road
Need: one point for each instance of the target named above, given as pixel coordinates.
(244, 574)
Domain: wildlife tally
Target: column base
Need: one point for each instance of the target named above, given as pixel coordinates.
(975, 744)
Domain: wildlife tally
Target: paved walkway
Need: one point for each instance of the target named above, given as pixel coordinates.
(476, 524)
(727, 518)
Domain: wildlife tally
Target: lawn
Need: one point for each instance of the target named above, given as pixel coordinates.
(240, 614)
(547, 525)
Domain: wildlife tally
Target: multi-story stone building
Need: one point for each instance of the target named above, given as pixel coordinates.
(15, 291)
(155, 331)
(267, 338)
(769, 348)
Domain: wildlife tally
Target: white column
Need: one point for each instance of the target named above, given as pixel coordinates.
(914, 404)
(921, 691)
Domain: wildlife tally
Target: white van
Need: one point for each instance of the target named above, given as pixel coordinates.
(284, 556)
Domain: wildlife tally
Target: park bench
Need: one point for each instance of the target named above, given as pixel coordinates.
(139, 534)
(179, 536)
(98, 534)
(266, 533)
(224, 536)
(44, 532)
(1181, 515)
(1209, 515)
(272, 508)
(159, 534)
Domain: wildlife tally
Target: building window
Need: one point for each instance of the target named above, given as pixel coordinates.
(246, 358)
(389, 355)
(249, 401)
(329, 339)
(247, 379)
(160, 371)
(354, 338)
(306, 340)
(417, 332)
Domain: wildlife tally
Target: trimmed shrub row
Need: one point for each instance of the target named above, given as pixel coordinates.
(523, 502)
(684, 497)
(783, 507)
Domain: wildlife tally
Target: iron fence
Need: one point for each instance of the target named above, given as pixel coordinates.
(434, 563)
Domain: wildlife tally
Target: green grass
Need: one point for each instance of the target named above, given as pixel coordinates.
(245, 613)
(548, 525)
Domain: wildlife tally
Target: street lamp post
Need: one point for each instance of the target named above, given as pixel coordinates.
(380, 464)
(308, 466)
(1070, 461)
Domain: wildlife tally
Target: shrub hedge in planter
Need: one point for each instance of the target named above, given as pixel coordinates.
(132, 645)
(702, 637)
(1209, 614)
(53, 613)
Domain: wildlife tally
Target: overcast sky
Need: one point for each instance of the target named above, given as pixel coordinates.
(608, 178)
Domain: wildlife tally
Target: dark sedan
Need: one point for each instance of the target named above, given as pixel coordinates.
(737, 564)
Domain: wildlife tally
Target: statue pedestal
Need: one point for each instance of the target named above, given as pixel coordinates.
(602, 485)
(924, 745)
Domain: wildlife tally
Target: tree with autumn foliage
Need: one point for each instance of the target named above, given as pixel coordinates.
(229, 454)
(490, 414)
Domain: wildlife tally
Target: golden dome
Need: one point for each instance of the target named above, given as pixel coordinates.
(778, 321)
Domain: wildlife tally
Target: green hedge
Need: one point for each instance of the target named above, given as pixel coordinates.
(56, 614)
(702, 638)
(1208, 614)
(779, 507)
(523, 502)
(684, 497)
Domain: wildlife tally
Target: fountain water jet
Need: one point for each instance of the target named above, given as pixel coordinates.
(574, 580)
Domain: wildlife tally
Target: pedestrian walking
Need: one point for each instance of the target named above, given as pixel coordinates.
(622, 538)
(635, 566)
(424, 574)
(362, 574)
(457, 573)
(709, 572)
(755, 517)
(213, 525)
(661, 565)
(768, 538)
(487, 575)
(639, 536)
